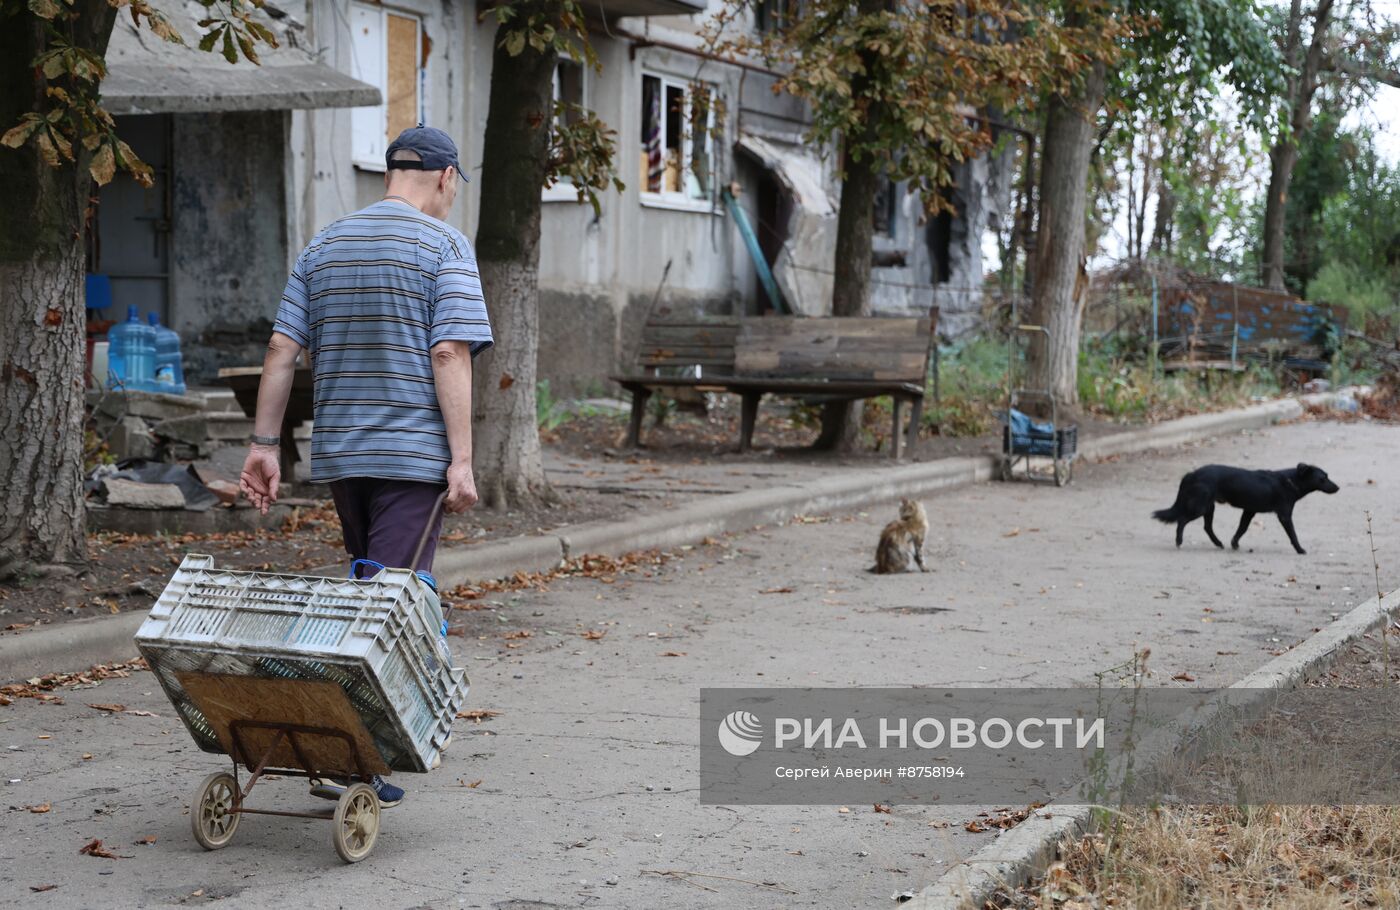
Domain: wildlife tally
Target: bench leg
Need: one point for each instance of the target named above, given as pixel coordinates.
(639, 408)
(916, 416)
(897, 436)
(748, 416)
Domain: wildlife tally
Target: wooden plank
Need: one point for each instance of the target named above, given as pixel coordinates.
(854, 348)
(312, 703)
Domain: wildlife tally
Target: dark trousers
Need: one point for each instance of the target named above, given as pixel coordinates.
(383, 519)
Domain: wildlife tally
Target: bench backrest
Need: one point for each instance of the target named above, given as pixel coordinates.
(707, 343)
(838, 348)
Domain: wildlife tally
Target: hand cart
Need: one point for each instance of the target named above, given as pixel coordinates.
(1023, 438)
(305, 677)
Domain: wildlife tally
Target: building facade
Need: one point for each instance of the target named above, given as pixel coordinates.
(251, 162)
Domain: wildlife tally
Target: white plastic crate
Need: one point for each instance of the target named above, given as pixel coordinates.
(378, 639)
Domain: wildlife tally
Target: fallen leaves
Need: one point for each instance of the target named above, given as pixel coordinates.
(478, 715)
(41, 687)
(94, 848)
(783, 590)
(471, 786)
(1183, 676)
(40, 889)
(672, 654)
(593, 634)
(40, 809)
(887, 810)
(146, 841)
(114, 709)
(604, 569)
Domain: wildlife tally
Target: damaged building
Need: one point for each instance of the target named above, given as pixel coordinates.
(251, 161)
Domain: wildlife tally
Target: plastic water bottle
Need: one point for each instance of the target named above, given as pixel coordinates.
(169, 364)
(131, 358)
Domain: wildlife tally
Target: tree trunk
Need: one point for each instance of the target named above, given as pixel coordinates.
(1057, 300)
(506, 448)
(1284, 155)
(855, 228)
(42, 319)
(850, 293)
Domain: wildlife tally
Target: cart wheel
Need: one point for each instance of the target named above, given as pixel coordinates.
(211, 817)
(356, 825)
(1064, 471)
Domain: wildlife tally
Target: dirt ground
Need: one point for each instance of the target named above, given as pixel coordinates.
(1282, 857)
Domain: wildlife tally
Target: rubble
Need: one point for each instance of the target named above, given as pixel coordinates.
(134, 494)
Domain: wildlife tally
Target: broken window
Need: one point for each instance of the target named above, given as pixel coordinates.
(568, 88)
(885, 211)
(389, 51)
(678, 127)
(775, 15)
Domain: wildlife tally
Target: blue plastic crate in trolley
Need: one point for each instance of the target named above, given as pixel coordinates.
(379, 639)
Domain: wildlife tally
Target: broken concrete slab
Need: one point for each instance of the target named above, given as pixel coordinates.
(131, 438)
(155, 405)
(192, 429)
(183, 521)
(134, 495)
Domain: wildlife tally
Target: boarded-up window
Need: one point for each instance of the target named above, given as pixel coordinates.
(387, 53)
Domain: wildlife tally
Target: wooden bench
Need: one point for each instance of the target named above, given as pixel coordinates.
(816, 359)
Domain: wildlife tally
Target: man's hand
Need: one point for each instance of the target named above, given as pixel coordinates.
(262, 471)
(461, 487)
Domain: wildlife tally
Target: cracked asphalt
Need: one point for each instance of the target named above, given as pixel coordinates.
(582, 792)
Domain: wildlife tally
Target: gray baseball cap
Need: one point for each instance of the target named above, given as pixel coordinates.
(436, 150)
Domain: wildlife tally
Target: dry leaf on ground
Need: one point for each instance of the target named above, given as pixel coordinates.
(39, 809)
(672, 654)
(115, 709)
(94, 848)
(478, 715)
(593, 634)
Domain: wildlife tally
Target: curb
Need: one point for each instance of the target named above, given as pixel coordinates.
(1029, 848)
(69, 646)
(22, 654)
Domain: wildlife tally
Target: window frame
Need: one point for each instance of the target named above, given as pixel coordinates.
(563, 189)
(360, 117)
(681, 200)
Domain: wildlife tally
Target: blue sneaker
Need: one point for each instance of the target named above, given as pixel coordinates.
(389, 795)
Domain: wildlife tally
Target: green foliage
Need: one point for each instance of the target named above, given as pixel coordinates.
(70, 76)
(550, 412)
(1351, 286)
(582, 148)
(902, 85)
(1120, 384)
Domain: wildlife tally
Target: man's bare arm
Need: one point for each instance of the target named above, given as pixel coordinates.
(262, 471)
(452, 374)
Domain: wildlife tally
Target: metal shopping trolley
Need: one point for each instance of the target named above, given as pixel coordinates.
(1023, 438)
(304, 676)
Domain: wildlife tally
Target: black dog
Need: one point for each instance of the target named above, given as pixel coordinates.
(1251, 491)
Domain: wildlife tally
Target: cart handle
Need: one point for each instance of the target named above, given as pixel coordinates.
(427, 529)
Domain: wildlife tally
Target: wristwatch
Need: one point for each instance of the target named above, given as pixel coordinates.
(266, 440)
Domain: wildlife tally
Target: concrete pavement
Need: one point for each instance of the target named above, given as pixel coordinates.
(587, 778)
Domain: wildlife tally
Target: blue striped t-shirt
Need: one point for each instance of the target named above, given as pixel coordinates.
(368, 298)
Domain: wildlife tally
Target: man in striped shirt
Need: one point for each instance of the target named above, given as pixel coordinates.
(387, 302)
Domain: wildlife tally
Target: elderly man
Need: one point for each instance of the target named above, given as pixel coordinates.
(387, 302)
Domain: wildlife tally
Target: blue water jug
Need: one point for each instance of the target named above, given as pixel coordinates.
(131, 354)
(170, 366)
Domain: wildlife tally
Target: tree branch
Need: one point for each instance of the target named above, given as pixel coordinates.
(1361, 70)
